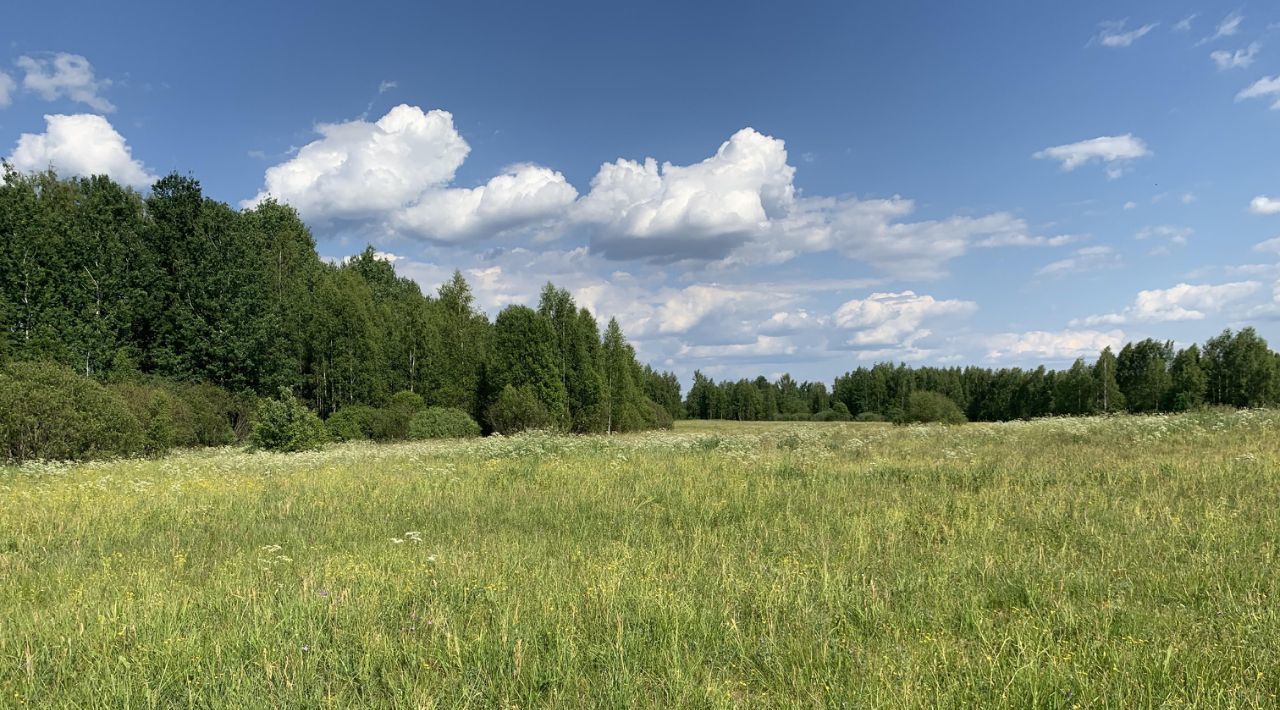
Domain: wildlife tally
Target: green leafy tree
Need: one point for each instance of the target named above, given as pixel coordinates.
(1188, 382)
(525, 356)
(1110, 396)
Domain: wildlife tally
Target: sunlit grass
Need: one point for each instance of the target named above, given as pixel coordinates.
(1126, 562)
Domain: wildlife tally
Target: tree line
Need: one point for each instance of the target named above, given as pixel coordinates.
(182, 302)
(116, 285)
(1232, 369)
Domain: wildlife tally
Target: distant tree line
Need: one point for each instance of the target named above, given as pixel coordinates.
(117, 286)
(1232, 369)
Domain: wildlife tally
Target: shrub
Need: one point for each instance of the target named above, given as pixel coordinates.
(927, 406)
(392, 421)
(49, 412)
(219, 417)
(352, 422)
(869, 417)
(516, 410)
(442, 423)
(659, 417)
(285, 424)
(842, 410)
(164, 420)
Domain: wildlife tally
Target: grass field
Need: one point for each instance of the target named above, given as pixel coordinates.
(1127, 562)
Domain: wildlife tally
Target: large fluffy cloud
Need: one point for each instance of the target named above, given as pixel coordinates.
(740, 206)
(65, 75)
(524, 195)
(396, 172)
(360, 169)
(1114, 152)
(1179, 303)
(895, 318)
(80, 144)
(704, 210)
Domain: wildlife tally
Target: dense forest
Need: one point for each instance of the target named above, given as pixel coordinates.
(184, 319)
(172, 289)
(1232, 369)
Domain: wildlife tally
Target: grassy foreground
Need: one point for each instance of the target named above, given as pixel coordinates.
(1127, 562)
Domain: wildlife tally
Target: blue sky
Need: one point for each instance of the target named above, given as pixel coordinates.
(749, 187)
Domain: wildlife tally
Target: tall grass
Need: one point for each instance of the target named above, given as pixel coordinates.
(1122, 562)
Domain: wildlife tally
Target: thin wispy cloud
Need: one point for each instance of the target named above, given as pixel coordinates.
(1095, 258)
(1115, 152)
(65, 76)
(1238, 59)
(7, 87)
(386, 85)
(1112, 33)
(1229, 27)
(1184, 25)
(1166, 237)
(1264, 88)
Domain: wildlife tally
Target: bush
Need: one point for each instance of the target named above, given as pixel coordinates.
(285, 424)
(869, 417)
(352, 423)
(392, 421)
(831, 415)
(442, 423)
(164, 419)
(218, 417)
(842, 410)
(933, 407)
(516, 410)
(49, 412)
(661, 418)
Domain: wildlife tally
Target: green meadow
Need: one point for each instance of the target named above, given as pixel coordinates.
(1095, 562)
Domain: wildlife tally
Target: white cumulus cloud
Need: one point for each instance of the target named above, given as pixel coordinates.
(1113, 151)
(396, 173)
(523, 195)
(360, 169)
(80, 144)
(65, 75)
(1179, 303)
(895, 318)
(1052, 345)
(704, 210)
(1265, 205)
(740, 206)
